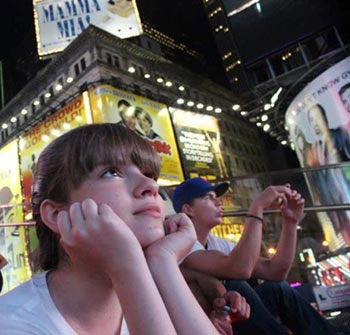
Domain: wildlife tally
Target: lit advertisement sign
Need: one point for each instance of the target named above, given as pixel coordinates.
(334, 297)
(12, 239)
(199, 144)
(58, 22)
(318, 120)
(148, 118)
(33, 143)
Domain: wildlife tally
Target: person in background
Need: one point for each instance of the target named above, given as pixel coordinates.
(240, 262)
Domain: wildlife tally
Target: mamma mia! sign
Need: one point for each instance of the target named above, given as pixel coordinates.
(58, 22)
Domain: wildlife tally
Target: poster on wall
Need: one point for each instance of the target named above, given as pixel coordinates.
(58, 22)
(12, 239)
(33, 143)
(318, 120)
(148, 118)
(198, 137)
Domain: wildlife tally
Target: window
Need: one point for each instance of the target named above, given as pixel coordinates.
(116, 61)
(82, 64)
(109, 58)
(76, 69)
(141, 71)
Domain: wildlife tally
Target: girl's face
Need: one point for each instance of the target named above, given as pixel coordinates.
(133, 196)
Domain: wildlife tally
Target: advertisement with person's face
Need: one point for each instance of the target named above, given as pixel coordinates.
(148, 118)
(318, 120)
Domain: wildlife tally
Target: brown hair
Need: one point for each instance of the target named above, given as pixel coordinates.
(67, 161)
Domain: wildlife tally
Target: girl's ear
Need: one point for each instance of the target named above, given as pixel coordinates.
(187, 209)
(48, 211)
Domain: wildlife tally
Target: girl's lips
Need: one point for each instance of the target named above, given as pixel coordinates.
(149, 210)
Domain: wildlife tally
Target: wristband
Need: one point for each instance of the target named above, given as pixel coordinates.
(255, 217)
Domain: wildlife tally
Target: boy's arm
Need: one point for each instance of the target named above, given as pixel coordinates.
(278, 267)
(205, 288)
(240, 263)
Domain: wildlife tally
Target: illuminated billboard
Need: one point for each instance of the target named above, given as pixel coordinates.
(198, 136)
(58, 22)
(32, 144)
(148, 118)
(12, 239)
(318, 120)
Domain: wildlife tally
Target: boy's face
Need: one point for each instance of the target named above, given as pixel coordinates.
(207, 210)
(132, 196)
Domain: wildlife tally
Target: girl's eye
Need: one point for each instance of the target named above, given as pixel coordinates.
(111, 172)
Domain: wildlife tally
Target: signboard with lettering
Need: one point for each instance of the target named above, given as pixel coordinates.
(12, 239)
(332, 297)
(58, 22)
(198, 137)
(33, 143)
(147, 118)
(318, 120)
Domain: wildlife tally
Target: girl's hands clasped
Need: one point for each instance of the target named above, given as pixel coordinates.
(179, 239)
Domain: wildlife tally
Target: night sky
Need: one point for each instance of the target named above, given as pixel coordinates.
(187, 22)
(18, 48)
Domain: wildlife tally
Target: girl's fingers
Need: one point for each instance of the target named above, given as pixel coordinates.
(170, 226)
(76, 216)
(89, 210)
(64, 226)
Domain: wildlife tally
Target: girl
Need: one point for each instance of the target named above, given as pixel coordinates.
(100, 224)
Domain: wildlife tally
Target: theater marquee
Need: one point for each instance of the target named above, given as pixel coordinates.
(58, 22)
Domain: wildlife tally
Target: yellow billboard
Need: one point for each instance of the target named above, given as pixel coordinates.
(148, 118)
(58, 22)
(31, 145)
(12, 239)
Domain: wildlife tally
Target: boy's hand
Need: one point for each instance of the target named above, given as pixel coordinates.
(239, 310)
(293, 212)
(271, 197)
(179, 239)
(94, 236)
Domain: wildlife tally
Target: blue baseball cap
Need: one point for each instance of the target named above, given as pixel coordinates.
(195, 188)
